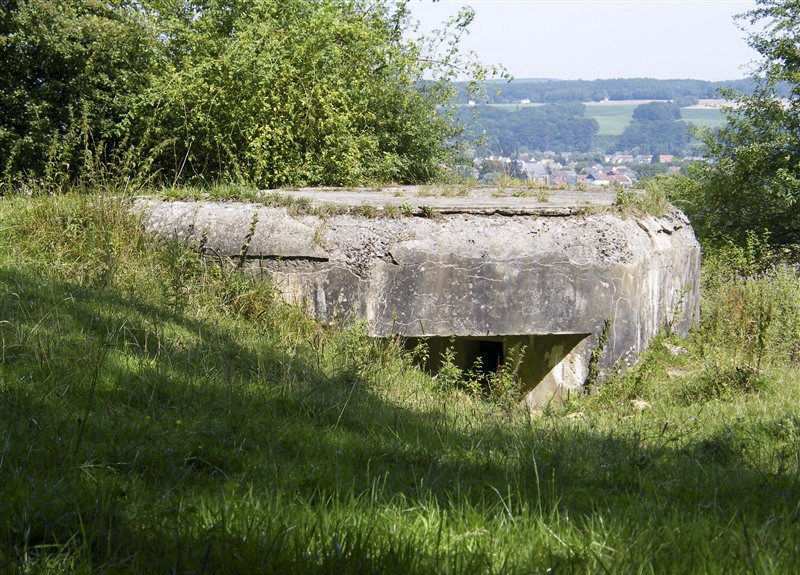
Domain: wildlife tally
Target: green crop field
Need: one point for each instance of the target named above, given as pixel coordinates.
(704, 118)
(612, 118)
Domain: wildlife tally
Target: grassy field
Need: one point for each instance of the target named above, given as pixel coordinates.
(164, 415)
(614, 118)
(711, 118)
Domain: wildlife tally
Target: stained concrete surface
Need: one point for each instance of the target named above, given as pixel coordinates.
(542, 276)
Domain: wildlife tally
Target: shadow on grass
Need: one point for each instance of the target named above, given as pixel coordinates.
(139, 435)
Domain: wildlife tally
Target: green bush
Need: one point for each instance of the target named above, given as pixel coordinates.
(751, 304)
(752, 178)
(265, 93)
(71, 73)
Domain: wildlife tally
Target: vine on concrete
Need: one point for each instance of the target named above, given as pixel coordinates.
(593, 377)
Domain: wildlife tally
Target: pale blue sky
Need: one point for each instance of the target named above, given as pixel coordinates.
(589, 39)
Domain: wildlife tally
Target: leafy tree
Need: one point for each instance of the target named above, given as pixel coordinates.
(657, 112)
(264, 92)
(654, 137)
(751, 181)
(301, 92)
(69, 69)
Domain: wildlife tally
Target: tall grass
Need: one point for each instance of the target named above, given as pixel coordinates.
(162, 414)
(752, 304)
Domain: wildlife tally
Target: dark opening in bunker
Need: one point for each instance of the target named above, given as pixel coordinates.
(490, 354)
(545, 364)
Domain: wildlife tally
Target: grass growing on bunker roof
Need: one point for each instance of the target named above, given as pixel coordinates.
(295, 206)
(165, 415)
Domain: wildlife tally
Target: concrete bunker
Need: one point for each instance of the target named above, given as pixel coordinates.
(493, 273)
(547, 366)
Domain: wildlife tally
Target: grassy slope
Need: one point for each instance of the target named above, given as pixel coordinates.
(712, 118)
(165, 416)
(612, 118)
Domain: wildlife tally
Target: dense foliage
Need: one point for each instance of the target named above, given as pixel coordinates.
(752, 179)
(266, 92)
(69, 71)
(656, 129)
(657, 111)
(557, 127)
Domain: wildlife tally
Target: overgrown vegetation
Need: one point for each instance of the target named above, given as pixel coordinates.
(165, 414)
(752, 179)
(265, 93)
(653, 199)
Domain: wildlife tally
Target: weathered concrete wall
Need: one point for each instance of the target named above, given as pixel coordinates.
(471, 273)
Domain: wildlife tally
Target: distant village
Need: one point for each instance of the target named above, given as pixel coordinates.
(566, 169)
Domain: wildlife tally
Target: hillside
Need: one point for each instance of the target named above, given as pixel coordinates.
(166, 415)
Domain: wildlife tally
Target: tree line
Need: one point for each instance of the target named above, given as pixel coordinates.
(557, 127)
(656, 128)
(555, 91)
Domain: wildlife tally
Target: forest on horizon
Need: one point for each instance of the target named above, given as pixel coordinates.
(547, 91)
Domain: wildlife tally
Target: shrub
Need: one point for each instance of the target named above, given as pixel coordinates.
(751, 180)
(72, 72)
(266, 93)
(751, 303)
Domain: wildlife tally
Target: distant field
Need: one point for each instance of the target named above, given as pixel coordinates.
(514, 107)
(704, 118)
(612, 117)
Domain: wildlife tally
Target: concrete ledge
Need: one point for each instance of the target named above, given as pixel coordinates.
(420, 200)
(543, 276)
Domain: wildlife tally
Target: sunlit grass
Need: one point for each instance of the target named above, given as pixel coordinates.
(164, 415)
